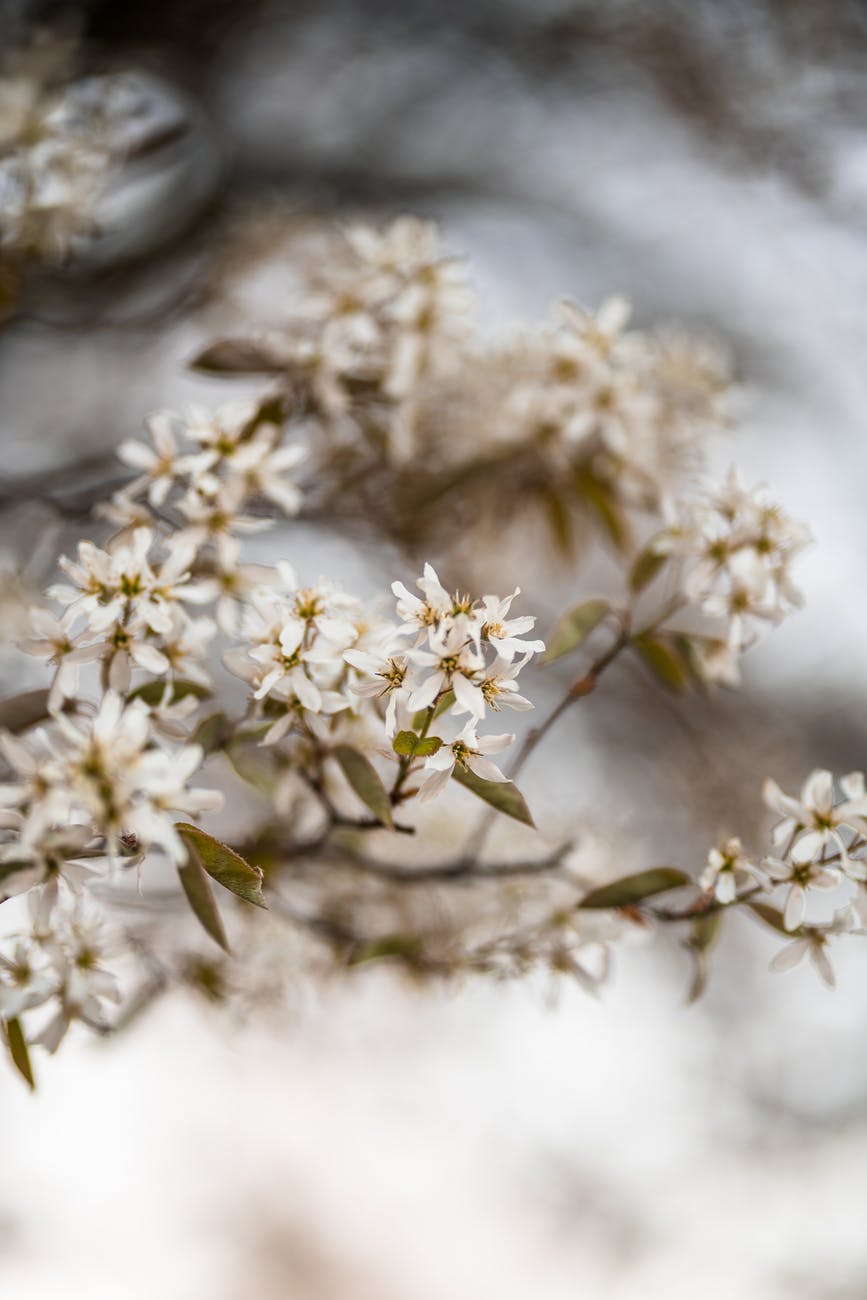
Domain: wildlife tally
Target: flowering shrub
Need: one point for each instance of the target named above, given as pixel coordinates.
(344, 720)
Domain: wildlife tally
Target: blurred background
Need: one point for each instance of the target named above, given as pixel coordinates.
(374, 1139)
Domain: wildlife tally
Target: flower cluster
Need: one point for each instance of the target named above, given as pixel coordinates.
(735, 549)
(379, 318)
(380, 358)
(59, 963)
(348, 703)
(205, 474)
(55, 154)
(632, 408)
(311, 654)
(820, 844)
(102, 786)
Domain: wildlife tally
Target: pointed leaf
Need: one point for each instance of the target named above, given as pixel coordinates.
(632, 889)
(445, 702)
(664, 659)
(703, 935)
(574, 628)
(18, 1050)
(152, 692)
(18, 712)
(773, 917)
(366, 782)
(645, 568)
(200, 897)
(502, 795)
(601, 498)
(255, 765)
(210, 733)
(405, 947)
(237, 357)
(226, 866)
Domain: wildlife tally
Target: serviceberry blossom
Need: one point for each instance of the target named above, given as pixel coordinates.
(467, 751)
(736, 548)
(107, 773)
(351, 715)
(59, 141)
(814, 943)
(727, 869)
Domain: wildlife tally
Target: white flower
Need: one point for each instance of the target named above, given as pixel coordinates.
(419, 616)
(109, 773)
(505, 634)
(77, 951)
(814, 944)
(27, 980)
(727, 868)
(813, 822)
(162, 465)
(467, 751)
(55, 641)
(453, 664)
(383, 677)
(215, 512)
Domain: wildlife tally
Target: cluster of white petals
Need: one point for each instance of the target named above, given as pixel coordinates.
(206, 473)
(736, 548)
(819, 845)
(638, 405)
(93, 786)
(382, 354)
(312, 653)
(56, 152)
(59, 963)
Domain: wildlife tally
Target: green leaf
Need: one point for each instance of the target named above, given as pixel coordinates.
(645, 568)
(404, 743)
(200, 897)
(445, 702)
(210, 733)
(18, 1050)
(632, 889)
(405, 947)
(18, 712)
(502, 795)
(427, 746)
(664, 659)
(152, 692)
(255, 765)
(704, 933)
(226, 866)
(409, 745)
(601, 498)
(366, 782)
(773, 917)
(559, 516)
(236, 357)
(574, 628)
